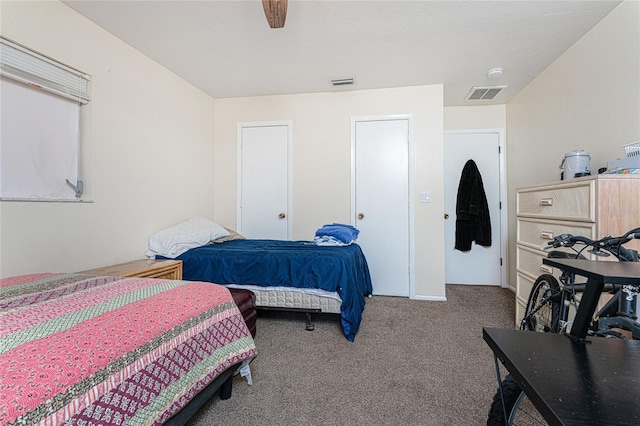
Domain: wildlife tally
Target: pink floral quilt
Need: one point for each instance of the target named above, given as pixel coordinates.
(80, 349)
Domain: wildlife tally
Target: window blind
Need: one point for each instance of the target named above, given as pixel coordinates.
(24, 65)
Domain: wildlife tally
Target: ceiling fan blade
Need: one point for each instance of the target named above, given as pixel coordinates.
(275, 11)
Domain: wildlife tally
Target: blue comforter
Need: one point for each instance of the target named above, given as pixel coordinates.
(299, 264)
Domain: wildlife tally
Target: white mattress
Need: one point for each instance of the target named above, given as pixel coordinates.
(294, 298)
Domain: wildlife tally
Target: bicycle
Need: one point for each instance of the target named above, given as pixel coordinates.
(549, 308)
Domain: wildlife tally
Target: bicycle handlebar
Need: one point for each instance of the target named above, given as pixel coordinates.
(613, 245)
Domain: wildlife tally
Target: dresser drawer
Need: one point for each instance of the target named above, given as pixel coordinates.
(172, 274)
(529, 261)
(572, 201)
(537, 233)
(521, 307)
(524, 284)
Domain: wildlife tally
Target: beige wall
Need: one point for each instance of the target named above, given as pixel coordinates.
(151, 151)
(321, 127)
(587, 99)
(475, 117)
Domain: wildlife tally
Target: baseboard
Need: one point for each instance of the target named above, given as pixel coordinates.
(510, 287)
(432, 298)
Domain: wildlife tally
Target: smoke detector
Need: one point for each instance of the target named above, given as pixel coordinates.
(485, 93)
(495, 73)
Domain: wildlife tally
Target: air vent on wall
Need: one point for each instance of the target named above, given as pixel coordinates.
(342, 81)
(485, 93)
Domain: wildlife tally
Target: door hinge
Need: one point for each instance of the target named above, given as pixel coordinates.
(500, 261)
(499, 149)
(500, 205)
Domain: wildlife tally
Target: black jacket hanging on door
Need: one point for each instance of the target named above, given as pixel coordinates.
(472, 212)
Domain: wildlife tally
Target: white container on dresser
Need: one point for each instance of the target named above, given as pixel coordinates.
(593, 206)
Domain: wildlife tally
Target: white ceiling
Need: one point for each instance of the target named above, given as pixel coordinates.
(227, 49)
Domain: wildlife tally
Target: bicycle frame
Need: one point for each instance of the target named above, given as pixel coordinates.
(619, 312)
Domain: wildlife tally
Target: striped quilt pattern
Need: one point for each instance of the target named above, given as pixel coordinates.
(79, 349)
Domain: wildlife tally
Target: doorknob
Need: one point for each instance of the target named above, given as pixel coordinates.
(446, 215)
(281, 216)
(360, 216)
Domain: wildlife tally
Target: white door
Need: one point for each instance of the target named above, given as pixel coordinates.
(481, 265)
(263, 180)
(381, 201)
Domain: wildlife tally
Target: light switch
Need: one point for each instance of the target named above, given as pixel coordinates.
(425, 197)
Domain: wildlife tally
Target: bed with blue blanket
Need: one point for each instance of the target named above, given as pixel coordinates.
(296, 265)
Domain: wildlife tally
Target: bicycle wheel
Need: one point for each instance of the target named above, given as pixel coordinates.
(543, 307)
(520, 411)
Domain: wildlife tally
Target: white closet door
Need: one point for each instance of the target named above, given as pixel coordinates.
(382, 202)
(264, 181)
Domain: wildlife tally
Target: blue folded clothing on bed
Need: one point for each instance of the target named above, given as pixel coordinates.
(344, 233)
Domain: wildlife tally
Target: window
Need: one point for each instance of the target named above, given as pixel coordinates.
(40, 113)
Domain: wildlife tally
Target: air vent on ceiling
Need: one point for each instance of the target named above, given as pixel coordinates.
(342, 81)
(485, 93)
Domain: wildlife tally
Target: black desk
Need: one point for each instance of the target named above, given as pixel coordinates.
(573, 383)
(613, 272)
(569, 381)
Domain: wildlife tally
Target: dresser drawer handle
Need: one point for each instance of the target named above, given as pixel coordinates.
(546, 202)
(546, 235)
(546, 269)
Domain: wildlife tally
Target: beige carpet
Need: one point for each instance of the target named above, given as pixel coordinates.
(412, 363)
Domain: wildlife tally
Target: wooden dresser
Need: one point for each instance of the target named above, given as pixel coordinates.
(149, 268)
(593, 206)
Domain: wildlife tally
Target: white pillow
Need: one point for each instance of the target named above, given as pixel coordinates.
(174, 241)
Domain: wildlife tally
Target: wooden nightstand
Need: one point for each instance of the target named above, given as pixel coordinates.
(149, 268)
